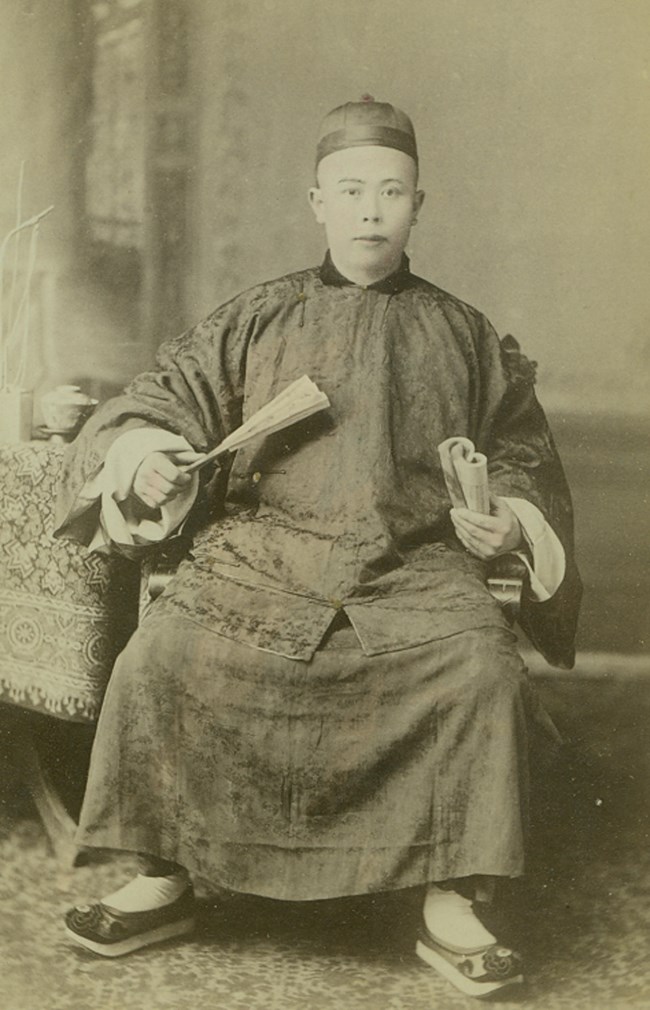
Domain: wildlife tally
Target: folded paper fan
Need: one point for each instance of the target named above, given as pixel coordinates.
(299, 400)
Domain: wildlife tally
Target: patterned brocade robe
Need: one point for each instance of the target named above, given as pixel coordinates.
(348, 510)
(248, 732)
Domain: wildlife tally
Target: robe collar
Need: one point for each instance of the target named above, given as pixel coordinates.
(391, 285)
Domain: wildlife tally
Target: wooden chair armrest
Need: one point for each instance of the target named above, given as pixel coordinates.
(157, 570)
(506, 579)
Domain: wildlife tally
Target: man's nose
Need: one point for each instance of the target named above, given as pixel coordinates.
(371, 210)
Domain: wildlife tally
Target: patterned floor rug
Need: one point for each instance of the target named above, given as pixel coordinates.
(581, 917)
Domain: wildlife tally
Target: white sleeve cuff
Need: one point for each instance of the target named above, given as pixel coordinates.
(549, 561)
(113, 483)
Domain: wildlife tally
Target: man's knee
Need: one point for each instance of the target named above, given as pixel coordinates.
(496, 667)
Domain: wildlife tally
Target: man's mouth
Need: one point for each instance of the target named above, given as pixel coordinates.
(370, 238)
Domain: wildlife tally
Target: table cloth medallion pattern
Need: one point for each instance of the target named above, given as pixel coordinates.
(64, 613)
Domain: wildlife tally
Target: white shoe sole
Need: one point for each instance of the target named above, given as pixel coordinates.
(167, 932)
(462, 982)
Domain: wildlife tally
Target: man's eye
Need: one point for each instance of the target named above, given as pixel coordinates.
(351, 192)
(392, 191)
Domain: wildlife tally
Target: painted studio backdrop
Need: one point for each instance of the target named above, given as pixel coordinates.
(175, 140)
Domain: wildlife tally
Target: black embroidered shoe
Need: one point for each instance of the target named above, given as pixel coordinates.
(477, 972)
(111, 933)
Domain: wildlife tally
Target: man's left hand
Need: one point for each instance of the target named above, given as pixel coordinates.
(487, 537)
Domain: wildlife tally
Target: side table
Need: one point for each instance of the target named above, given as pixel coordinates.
(64, 614)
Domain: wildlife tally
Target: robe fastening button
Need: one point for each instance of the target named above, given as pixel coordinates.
(336, 603)
(256, 478)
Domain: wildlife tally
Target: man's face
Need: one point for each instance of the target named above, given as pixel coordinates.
(367, 199)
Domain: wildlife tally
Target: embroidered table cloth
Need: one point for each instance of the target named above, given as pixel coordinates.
(64, 613)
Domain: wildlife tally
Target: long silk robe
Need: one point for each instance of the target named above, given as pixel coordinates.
(231, 740)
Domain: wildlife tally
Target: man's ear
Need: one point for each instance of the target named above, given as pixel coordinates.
(418, 201)
(316, 203)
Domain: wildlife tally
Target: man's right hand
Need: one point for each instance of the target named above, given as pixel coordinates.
(159, 478)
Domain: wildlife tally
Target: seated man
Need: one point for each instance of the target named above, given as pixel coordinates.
(326, 700)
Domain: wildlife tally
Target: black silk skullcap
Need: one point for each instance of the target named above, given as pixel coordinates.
(363, 124)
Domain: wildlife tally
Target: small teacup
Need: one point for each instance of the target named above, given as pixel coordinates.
(66, 408)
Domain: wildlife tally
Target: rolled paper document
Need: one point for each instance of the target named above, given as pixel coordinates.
(465, 473)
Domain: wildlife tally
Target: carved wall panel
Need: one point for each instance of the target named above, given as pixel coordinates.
(138, 157)
(116, 160)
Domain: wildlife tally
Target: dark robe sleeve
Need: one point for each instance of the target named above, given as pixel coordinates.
(195, 390)
(524, 463)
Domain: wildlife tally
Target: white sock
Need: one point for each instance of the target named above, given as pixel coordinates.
(142, 894)
(449, 917)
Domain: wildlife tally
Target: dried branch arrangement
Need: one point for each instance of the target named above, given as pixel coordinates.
(14, 315)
